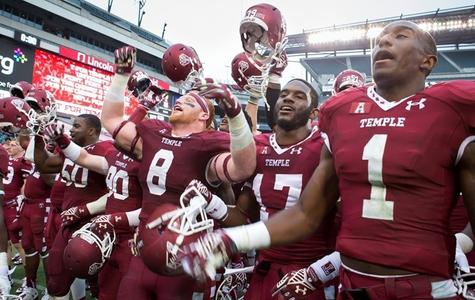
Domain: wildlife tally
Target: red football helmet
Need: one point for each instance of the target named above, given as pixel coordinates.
(16, 112)
(182, 65)
(263, 32)
(44, 105)
(346, 79)
(169, 227)
(138, 83)
(247, 74)
(87, 252)
(21, 89)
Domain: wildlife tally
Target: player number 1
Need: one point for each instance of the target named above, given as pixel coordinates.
(376, 207)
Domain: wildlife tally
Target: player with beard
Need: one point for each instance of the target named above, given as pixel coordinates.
(286, 160)
(397, 172)
(84, 132)
(172, 154)
(18, 170)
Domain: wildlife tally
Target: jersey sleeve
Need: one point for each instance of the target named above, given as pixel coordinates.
(218, 142)
(463, 94)
(26, 168)
(3, 162)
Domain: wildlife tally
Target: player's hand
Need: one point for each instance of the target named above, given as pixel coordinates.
(138, 83)
(226, 100)
(56, 133)
(151, 97)
(201, 258)
(279, 64)
(297, 284)
(196, 186)
(125, 59)
(461, 259)
(74, 215)
(107, 223)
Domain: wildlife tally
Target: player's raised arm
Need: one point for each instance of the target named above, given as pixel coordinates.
(4, 278)
(46, 163)
(75, 152)
(240, 163)
(112, 116)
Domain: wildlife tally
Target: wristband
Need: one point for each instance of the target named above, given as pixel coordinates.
(115, 93)
(248, 237)
(216, 208)
(274, 78)
(241, 135)
(72, 151)
(328, 267)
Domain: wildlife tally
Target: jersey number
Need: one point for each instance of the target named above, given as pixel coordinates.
(376, 207)
(157, 174)
(8, 179)
(114, 178)
(292, 181)
(71, 177)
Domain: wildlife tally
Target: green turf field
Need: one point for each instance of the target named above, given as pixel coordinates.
(19, 273)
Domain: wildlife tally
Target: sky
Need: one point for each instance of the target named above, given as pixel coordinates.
(212, 26)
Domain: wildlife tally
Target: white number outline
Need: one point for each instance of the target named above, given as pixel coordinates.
(159, 171)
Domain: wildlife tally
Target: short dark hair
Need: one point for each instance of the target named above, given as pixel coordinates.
(92, 121)
(313, 92)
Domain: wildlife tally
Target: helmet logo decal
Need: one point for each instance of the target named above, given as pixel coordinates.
(243, 66)
(94, 268)
(18, 103)
(184, 59)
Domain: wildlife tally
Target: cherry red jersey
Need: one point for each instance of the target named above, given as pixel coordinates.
(122, 181)
(82, 185)
(281, 175)
(18, 170)
(57, 192)
(35, 187)
(458, 221)
(395, 163)
(169, 163)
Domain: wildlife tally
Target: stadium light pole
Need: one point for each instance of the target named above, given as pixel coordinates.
(141, 11)
(109, 5)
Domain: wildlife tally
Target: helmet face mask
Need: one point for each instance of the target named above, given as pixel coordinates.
(465, 283)
(44, 107)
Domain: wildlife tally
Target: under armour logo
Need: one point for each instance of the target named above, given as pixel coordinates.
(297, 150)
(102, 225)
(299, 290)
(118, 218)
(420, 104)
(265, 150)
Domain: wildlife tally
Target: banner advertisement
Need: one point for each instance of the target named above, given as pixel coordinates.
(16, 63)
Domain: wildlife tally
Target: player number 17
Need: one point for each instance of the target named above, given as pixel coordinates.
(376, 207)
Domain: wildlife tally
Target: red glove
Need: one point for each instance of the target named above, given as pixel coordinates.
(151, 97)
(279, 64)
(107, 223)
(74, 215)
(3, 162)
(297, 284)
(53, 132)
(125, 59)
(201, 258)
(227, 101)
(138, 83)
(189, 193)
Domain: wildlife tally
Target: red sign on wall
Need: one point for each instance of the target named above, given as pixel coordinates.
(87, 59)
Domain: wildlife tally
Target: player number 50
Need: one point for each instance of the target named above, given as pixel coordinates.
(376, 207)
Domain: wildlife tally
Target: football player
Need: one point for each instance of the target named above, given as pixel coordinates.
(32, 217)
(84, 132)
(396, 190)
(5, 285)
(123, 200)
(18, 170)
(286, 160)
(172, 154)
